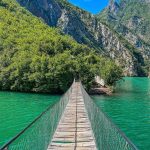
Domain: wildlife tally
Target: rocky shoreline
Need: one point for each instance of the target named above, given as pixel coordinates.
(101, 91)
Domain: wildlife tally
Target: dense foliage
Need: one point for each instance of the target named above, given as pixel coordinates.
(37, 58)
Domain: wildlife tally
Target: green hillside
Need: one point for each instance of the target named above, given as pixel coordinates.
(37, 58)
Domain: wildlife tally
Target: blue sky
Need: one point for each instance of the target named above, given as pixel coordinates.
(93, 6)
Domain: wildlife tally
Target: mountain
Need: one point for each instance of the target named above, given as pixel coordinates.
(132, 14)
(88, 29)
(37, 58)
(131, 19)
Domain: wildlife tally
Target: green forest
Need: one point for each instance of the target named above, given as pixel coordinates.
(37, 58)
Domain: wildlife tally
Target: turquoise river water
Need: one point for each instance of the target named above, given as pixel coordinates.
(17, 110)
(129, 108)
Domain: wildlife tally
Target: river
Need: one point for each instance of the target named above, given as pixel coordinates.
(129, 108)
(17, 110)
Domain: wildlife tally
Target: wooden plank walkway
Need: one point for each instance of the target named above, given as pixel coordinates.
(74, 130)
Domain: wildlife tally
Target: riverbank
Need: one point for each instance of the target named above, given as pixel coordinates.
(98, 89)
(101, 91)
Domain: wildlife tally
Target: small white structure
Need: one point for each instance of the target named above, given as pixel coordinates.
(99, 80)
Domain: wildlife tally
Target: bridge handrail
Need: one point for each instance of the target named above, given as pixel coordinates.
(107, 134)
(55, 110)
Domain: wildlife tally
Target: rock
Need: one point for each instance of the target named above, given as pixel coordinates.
(131, 20)
(88, 29)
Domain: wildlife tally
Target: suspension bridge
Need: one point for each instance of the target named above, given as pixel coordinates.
(73, 123)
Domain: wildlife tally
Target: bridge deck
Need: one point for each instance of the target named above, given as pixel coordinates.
(74, 129)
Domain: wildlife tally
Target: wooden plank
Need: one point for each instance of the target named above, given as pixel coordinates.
(74, 129)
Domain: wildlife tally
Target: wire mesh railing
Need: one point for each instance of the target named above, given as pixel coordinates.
(38, 134)
(107, 135)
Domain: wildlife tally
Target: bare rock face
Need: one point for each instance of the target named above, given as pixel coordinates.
(132, 21)
(48, 10)
(113, 7)
(88, 29)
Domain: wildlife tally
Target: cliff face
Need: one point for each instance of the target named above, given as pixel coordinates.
(131, 19)
(89, 29)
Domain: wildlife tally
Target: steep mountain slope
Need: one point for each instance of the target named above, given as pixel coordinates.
(131, 19)
(37, 58)
(88, 29)
(133, 14)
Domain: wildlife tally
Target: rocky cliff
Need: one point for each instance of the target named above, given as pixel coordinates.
(131, 19)
(129, 50)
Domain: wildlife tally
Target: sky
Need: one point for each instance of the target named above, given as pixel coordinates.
(93, 6)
